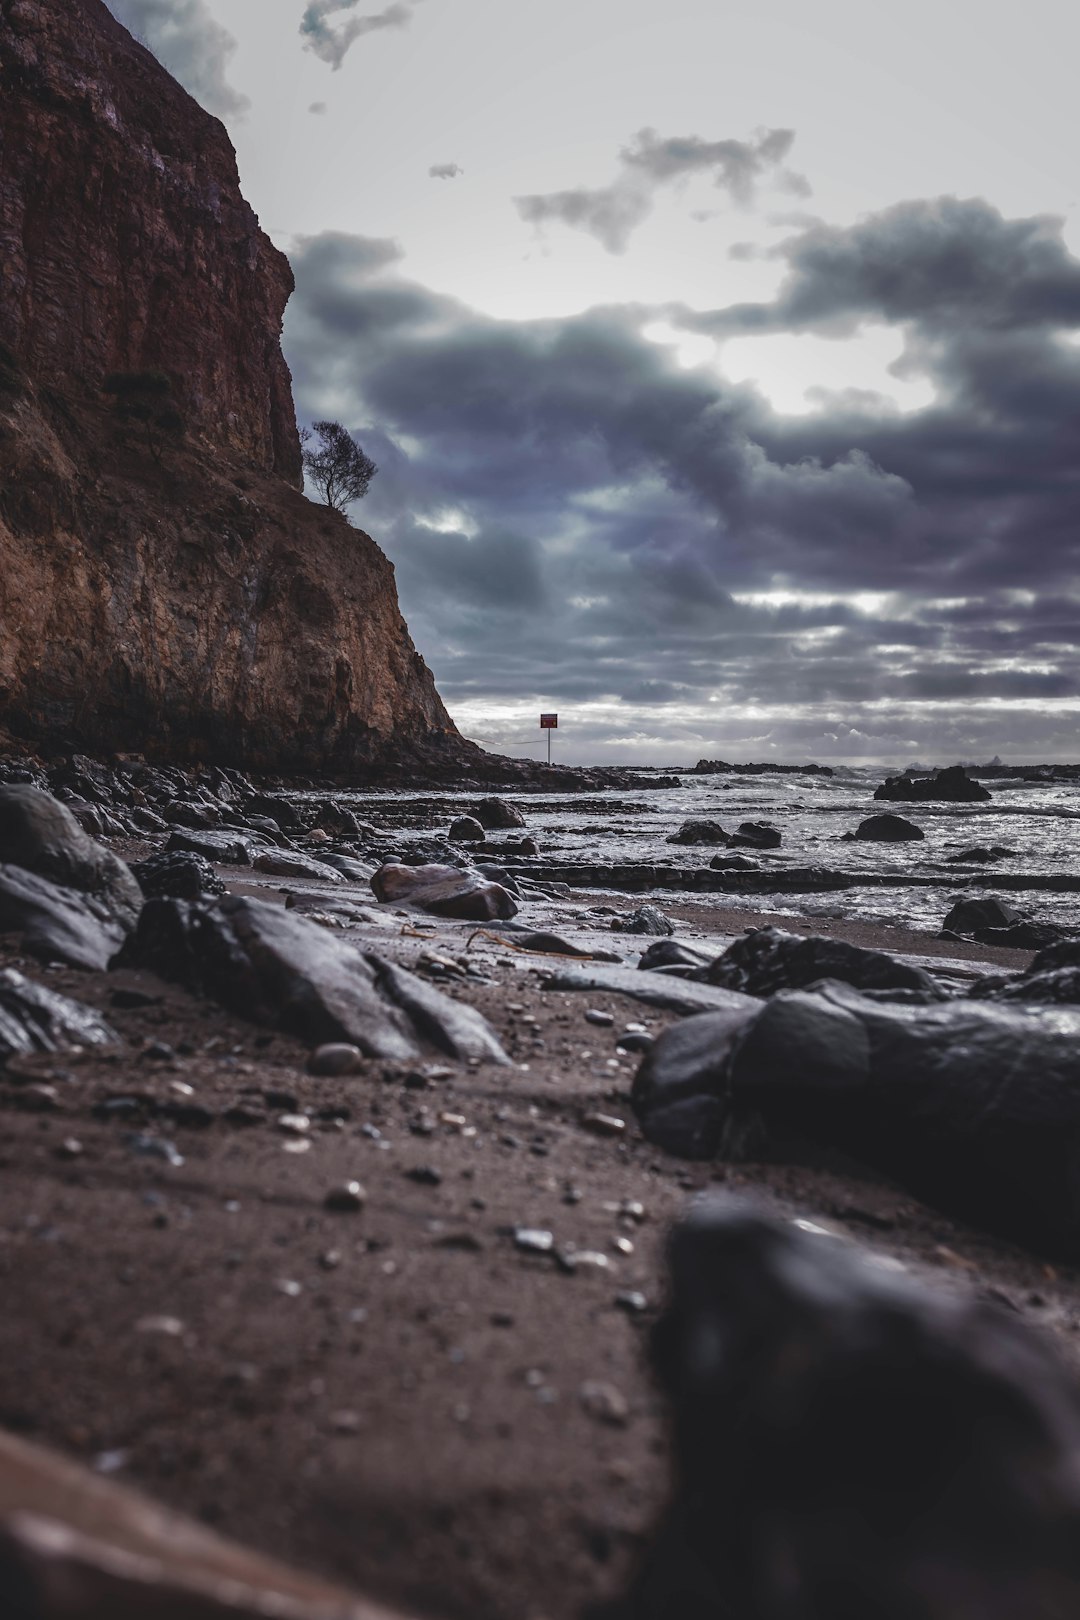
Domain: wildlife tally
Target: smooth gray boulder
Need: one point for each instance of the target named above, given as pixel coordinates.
(58, 924)
(975, 916)
(656, 989)
(849, 1445)
(293, 863)
(279, 968)
(41, 835)
(34, 1019)
(352, 870)
(764, 960)
(444, 891)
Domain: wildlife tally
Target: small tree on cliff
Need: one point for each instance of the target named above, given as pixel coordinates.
(339, 468)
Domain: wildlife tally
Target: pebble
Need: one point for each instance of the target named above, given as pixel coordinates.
(605, 1403)
(171, 1326)
(346, 1199)
(425, 1175)
(297, 1144)
(603, 1020)
(291, 1289)
(293, 1124)
(571, 1260)
(533, 1240)
(37, 1099)
(635, 1041)
(154, 1147)
(604, 1124)
(623, 1245)
(632, 1301)
(337, 1057)
(330, 1259)
(345, 1422)
(69, 1148)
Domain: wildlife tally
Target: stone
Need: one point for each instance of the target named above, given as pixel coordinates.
(938, 1429)
(953, 786)
(180, 873)
(888, 829)
(655, 989)
(466, 830)
(643, 920)
(58, 924)
(733, 863)
(507, 848)
(39, 1019)
(228, 848)
(40, 834)
(280, 969)
(764, 960)
(336, 1057)
(290, 863)
(1053, 977)
(979, 855)
(596, 1015)
(699, 832)
(670, 953)
(494, 814)
(533, 1240)
(347, 1199)
(605, 1403)
(603, 1124)
(444, 892)
(975, 916)
(352, 870)
(757, 835)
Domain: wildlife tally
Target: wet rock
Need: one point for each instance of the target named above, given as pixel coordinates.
(547, 944)
(289, 863)
(699, 832)
(352, 870)
(644, 920)
(979, 855)
(58, 924)
(941, 1434)
(333, 910)
(280, 969)
(34, 1019)
(888, 829)
(953, 786)
(604, 1020)
(179, 873)
(655, 989)
(733, 863)
(336, 1057)
(496, 813)
(973, 1105)
(667, 953)
(604, 1124)
(40, 834)
(756, 835)
(510, 848)
(444, 892)
(974, 916)
(765, 960)
(347, 1199)
(279, 810)
(1052, 978)
(533, 1240)
(466, 830)
(229, 848)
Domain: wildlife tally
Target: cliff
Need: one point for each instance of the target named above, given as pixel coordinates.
(164, 585)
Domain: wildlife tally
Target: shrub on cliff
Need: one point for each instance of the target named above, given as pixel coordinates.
(339, 469)
(146, 397)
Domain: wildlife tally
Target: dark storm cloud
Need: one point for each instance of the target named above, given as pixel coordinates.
(188, 41)
(612, 213)
(573, 516)
(330, 38)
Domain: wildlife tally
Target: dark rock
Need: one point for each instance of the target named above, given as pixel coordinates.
(276, 967)
(34, 1019)
(178, 873)
(55, 923)
(466, 830)
(848, 1443)
(496, 813)
(733, 863)
(756, 835)
(765, 960)
(292, 863)
(680, 1091)
(979, 855)
(278, 810)
(644, 920)
(41, 835)
(971, 1104)
(230, 848)
(1023, 936)
(888, 829)
(338, 818)
(954, 786)
(548, 944)
(352, 870)
(1053, 977)
(973, 916)
(510, 847)
(669, 953)
(655, 989)
(699, 832)
(443, 891)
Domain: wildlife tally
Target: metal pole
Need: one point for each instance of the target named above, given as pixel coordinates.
(549, 745)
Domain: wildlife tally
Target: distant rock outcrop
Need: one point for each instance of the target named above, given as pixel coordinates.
(166, 587)
(953, 786)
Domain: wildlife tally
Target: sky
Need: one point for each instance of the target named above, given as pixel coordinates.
(721, 362)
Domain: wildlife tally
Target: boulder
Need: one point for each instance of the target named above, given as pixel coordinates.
(178, 873)
(58, 924)
(281, 969)
(41, 835)
(444, 891)
(292, 863)
(643, 920)
(953, 786)
(979, 855)
(733, 863)
(974, 916)
(510, 847)
(34, 1019)
(765, 960)
(228, 848)
(496, 813)
(971, 1104)
(888, 829)
(657, 989)
(756, 835)
(352, 870)
(466, 830)
(849, 1443)
(1053, 977)
(699, 832)
(672, 953)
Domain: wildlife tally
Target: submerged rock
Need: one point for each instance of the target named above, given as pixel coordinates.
(279, 968)
(41, 835)
(34, 1019)
(444, 891)
(55, 923)
(887, 829)
(979, 855)
(850, 1444)
(765, 960)
(953, 785)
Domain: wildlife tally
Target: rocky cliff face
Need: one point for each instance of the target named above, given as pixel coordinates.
(164, 585)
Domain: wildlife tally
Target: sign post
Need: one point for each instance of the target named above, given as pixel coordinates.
(549, 723)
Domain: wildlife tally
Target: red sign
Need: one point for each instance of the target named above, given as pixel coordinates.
(549, 722)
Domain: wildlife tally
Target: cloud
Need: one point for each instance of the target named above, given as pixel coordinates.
(445, 171)
(318, 108)
(332, 41)
(612, 213)
(576, 519)
(188, 41)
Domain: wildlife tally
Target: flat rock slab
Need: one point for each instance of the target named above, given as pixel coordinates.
(291, 863)
(231, 848)
(655, 989)
(282, 969)
(35, 1019)
(56, 923)
(765, 960)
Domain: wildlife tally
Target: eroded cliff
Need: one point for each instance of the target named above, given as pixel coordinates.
(164, 584)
